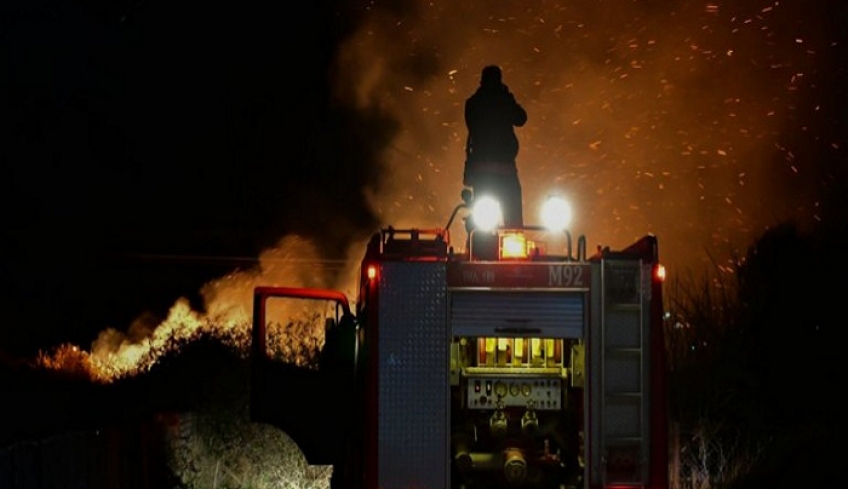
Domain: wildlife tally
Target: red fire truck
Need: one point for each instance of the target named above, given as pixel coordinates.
(514, 361)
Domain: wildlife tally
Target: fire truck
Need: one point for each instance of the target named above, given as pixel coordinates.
(516, 360)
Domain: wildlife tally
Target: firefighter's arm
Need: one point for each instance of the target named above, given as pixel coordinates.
(520, 115)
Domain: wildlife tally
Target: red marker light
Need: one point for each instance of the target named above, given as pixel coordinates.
(372, 272)
(659, 273)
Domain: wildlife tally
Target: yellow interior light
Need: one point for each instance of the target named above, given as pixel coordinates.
(535, 347)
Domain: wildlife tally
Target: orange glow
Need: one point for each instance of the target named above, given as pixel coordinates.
(595, 122)
(372, 272)
(603, 83)
(514, 245)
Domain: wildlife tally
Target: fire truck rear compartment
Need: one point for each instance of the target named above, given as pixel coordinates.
(515, 414)
(505, 374)
(516, 380)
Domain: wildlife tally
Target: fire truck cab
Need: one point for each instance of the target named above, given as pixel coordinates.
(515, 362)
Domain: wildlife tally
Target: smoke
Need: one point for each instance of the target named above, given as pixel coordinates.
(294, 262)
(702, 123)
(227, 308)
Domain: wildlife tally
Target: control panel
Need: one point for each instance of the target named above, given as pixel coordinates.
(540, 393)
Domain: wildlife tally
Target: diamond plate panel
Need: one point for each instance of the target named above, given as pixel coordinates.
(413, 376)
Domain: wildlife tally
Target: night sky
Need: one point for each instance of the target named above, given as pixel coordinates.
(152, 147)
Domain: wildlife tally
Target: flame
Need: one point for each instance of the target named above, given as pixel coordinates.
(297, 334)
(114, 355)
(648, 126)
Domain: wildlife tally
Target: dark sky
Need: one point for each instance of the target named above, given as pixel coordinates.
(187, 129)
(206, 133)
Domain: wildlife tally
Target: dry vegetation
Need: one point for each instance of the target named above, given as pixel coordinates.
(200, 382)
(708, 451)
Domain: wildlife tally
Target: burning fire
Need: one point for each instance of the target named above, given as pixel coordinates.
(115, 355)
(296, 336)
(638, 112)
(181, 325)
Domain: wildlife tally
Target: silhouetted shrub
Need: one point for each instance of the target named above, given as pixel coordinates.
(754, 350)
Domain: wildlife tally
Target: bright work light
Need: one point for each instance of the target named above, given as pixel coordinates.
(556, 213)
(486, 213)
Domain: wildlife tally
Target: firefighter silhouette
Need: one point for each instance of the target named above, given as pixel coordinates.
(491, 115)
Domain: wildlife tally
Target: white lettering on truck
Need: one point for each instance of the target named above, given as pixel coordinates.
(566, 276)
